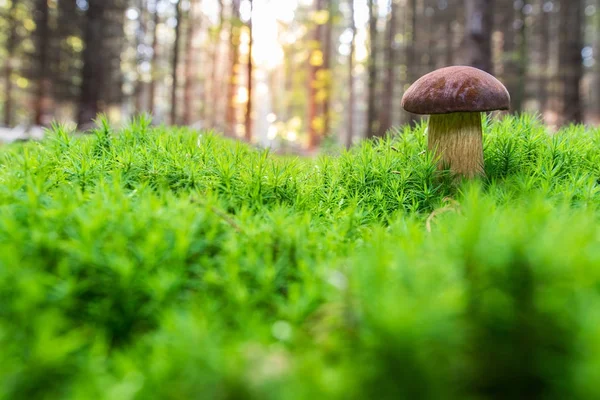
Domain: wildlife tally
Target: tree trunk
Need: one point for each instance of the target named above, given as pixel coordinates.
(315, 63)
(541, 55)
(288, 105)
(11, 45)
(66, 71)
(213, 96)
(141, 40)
(372, 123)
(449, 56)
(570, 62)
(431, 23)
(390, 65)
(327, 84)
(191, 62)
(479, 21)
(351, 92)
(154, 61)
(234, 43)
(512, 23)
(43, 42)
(411, 56)
(93, 72)
(522, 63)
(596, 102)
(175, 63)
(250, 78)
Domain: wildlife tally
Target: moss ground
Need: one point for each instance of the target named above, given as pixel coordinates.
(155, 263)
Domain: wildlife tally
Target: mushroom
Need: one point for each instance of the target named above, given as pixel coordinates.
(455, 97)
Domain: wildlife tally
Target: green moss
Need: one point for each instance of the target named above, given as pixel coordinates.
(164, 263)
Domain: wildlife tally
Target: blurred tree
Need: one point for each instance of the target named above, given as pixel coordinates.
(541, 33)
(351, 90)
(326, 72)
(429, 32)
(93, 73)
(101, 71)
(175, 63)
(596, 88)
(390, 65)
(140, 43)
(450, 16)
(234, 51)
(10, 61)
(522, 59)
(155, 57)
(43, 38)
(213, 96)
(479, 20)
(569, 60)
(249, 77)
(411, 55)
(67, 47)
(511, 22)
(315, 66)
(372, 121)
(194, 24)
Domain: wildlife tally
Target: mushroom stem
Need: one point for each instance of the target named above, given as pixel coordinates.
(457, 141)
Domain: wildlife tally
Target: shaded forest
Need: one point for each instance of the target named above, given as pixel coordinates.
(298, 73)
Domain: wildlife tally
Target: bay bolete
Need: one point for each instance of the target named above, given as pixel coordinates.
(455, 97)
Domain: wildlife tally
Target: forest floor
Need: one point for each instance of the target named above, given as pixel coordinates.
(160, 263)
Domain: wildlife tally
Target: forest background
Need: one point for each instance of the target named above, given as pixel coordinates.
(290, 74)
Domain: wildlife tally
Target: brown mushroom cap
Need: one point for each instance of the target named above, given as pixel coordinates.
(456, 89)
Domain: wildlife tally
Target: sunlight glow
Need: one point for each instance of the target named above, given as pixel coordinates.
(284, 11)
(132, 14)
(241, 96)
(362, 52)
(245, 10)
(272, 132)
(292, 136)
(267, 51)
